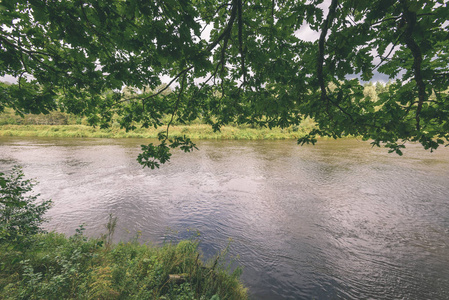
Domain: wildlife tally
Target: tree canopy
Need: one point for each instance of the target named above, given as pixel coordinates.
(233, 61)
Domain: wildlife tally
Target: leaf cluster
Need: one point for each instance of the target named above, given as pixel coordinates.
(254, 67)
(21, 214)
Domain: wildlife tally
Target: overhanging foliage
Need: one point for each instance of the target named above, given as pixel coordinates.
(253, 68)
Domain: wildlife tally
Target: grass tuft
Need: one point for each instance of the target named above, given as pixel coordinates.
(57, 267)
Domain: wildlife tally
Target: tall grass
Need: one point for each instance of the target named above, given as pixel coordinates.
(57, 267)
(193, 131)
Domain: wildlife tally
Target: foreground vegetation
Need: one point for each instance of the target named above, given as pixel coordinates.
(56, 267)
(39, 265)
(251, 68)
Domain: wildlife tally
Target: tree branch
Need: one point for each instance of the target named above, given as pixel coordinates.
(385, 20)
(29, 52)
(389, 53)
(410, 18)
(227, 30)
(326, 24)
(240, 23)
(160, 91)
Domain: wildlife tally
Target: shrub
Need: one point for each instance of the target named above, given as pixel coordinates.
(20, 213)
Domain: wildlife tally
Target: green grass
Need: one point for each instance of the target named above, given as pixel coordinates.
(194, 131)
(56, 267)
(58, 124)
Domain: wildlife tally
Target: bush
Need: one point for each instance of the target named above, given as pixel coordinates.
(9, 117)
(20, 213)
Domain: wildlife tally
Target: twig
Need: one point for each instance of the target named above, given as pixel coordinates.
(176, 105)
(391, 50)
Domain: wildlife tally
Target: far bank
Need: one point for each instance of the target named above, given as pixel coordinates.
(194, 131)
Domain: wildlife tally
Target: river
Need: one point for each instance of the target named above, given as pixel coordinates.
(338, 220)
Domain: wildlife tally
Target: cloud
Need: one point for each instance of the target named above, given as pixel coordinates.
(8, 78)
(305, 33)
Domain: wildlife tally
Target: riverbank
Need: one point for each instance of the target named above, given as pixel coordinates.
(194, 131)
(35, 264)
(52, 266)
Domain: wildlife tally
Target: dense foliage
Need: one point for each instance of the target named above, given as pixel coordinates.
(21, 214)
(254, 67)
(57, 267)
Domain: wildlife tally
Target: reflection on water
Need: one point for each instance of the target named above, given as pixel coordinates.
(339, 220)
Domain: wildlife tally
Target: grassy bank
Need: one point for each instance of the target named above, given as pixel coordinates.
(56, 267)
(194, 131)
(39, 265)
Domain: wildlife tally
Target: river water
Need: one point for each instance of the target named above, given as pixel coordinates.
(338, 220)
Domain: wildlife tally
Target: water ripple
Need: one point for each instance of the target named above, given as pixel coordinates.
(340, 220)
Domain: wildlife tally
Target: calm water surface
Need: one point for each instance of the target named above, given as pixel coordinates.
(339, 220)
